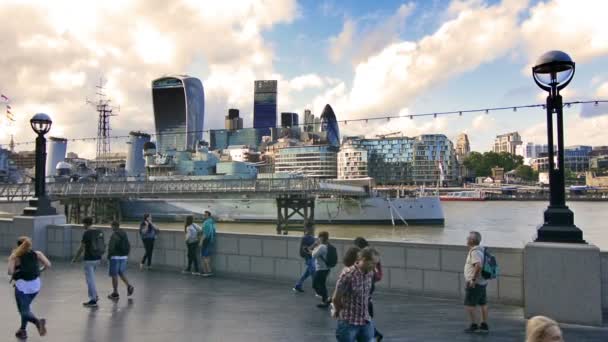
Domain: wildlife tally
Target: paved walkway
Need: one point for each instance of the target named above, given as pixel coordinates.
(168, 306)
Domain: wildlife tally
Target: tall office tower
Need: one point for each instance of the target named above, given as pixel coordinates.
(329, 124)
(179, 112)
(265, 106)
(289, 120)
(233, 121)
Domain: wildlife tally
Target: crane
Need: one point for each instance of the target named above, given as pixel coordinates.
(382, 136)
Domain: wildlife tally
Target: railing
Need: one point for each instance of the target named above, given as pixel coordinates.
(13, 192)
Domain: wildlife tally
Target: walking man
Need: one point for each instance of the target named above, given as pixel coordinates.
(118, 253)
(305, 252)
(207, 241)
(351, 299)
(93, 246)
(475, 293)
(362, 243)
(148, 232)
(319, 254)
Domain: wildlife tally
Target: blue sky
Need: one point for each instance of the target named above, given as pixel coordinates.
(365, 58)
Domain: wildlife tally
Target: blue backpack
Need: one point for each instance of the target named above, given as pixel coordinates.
(489, 269)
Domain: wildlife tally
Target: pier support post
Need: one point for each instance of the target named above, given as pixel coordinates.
(290, 205)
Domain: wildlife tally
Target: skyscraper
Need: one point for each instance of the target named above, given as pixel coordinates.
(463, 147)
(265, 106)
(179, 112)
(289, 120)
(233, 120)
(329, 124)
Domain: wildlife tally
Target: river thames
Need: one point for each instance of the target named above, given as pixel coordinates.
(501, 223)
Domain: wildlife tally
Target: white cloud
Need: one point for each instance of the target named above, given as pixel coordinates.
(341, 44)
(602, 90)
(306, 81)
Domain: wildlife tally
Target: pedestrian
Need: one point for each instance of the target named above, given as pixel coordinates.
(475, 292)
(148, 232)
(543, 329)
(323, 254)
(351, 255)
(362, 243)
(207, 242)
(351, 299)
(306, 243)
(192, 239)
(24, 269)
(93, 246)
(118, 253)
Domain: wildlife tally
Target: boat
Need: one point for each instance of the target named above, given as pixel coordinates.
(464, 196)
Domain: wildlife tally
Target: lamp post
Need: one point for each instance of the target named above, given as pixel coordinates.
(553, 72)
(40, 204)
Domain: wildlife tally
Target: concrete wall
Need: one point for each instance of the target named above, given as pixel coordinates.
(420, 269)
(604, 261)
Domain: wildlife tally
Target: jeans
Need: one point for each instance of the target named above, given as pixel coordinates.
(89, 271)
(346, 332)
(192, 256)
(310, 271)
(149, 247)
(319, 283)
(23, 305)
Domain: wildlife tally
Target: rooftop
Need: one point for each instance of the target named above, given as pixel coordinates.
(168, 306)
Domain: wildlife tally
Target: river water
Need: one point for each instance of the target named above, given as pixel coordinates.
(501, 224)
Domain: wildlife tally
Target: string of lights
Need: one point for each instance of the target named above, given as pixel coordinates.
(366, 120)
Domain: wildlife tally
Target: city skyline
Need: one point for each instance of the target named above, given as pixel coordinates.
(408, 59)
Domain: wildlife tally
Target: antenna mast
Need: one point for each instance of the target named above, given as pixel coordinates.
(104, 112)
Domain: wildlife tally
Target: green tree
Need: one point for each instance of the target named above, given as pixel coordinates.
(482, 164)
(526, 173)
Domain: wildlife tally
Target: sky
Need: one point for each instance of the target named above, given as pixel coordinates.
(365, 58)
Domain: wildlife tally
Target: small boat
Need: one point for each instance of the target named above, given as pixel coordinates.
(464, 196)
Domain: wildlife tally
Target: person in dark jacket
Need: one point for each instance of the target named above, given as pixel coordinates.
(362, 243)
(24, 267)
(148, 232)
(118, 253)
(306, 253)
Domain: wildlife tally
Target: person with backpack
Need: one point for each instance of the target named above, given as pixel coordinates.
(326, 257)
(118, 253)
(24, 269)
(148, 232)
(207, 241)
(306, 253)
(475, 292)
(93, 245)
(361, 243)
(192, 238)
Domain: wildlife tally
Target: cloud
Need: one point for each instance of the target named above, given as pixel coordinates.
(341, 44)
(53, 53)
(306, 81)
(579, 130)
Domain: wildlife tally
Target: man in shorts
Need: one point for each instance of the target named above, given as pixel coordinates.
(475, 292)
(118, 253)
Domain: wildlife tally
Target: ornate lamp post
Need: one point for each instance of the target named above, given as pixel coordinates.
(552, 73)
(40, 204)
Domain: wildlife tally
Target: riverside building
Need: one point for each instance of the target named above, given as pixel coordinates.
(319, 161)
(507, 143)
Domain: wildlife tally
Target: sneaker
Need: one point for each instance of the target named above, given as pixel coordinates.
(208, 274)
(141, 267)
(41, 326)
(113, 296)
(483, 328)
(323, 305)
(130, 290)
(21, 334)
(471, 329)
(196, 273)
(90, 304)
(186, 272)
(297, 289)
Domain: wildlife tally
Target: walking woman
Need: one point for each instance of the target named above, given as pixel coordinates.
(148, 232)
(24, 269)
(192, 231)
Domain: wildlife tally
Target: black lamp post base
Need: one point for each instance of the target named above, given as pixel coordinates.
(559, 227)
(39, 207)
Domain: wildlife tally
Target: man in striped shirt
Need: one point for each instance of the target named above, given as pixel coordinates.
(351, 299)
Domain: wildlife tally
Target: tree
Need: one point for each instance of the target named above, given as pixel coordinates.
(526, 173)
(482, 164)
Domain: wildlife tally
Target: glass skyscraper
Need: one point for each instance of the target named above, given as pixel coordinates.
(265, 106)
(220, 139)
(329, 125)
(179, 112)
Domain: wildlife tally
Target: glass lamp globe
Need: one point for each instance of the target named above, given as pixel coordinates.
(41, 123)
(554, 69)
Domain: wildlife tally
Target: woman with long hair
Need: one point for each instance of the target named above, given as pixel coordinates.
(192, 239)
(543, 329)
(148, 233)
(24, 269)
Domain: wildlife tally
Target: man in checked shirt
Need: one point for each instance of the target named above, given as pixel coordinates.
(351, 299)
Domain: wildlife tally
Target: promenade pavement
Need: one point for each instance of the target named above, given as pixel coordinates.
(168, 306)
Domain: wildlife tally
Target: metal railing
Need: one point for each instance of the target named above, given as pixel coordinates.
(16, 192)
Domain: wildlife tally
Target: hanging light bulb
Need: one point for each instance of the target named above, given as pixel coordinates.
(345, 122)
(568, 105)
(435, 116)
(544, 107)
(388, 118)
(596, 103)
(459, 113)
(487, 111)
(411, 117)
(515, 109)
(365, 120)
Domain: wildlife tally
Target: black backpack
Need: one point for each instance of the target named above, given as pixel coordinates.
(303, 253)
(98, 245)
(332, 256)
(124, 247)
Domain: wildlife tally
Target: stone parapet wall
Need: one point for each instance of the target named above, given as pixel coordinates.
(604, 261)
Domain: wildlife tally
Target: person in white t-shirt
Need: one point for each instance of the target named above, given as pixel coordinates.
(475, 291)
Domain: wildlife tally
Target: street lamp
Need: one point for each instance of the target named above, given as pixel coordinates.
(553, 72)
(40, 204)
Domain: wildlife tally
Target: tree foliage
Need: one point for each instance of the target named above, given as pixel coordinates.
(526, 173)
(482, 164)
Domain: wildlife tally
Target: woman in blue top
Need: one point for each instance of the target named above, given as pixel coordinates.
(148, 232)
(207, 243)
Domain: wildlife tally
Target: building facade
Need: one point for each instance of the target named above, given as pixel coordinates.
(329, 125)
(318, 161)
(289, 120)
(233, 121)
(220, 139)
(463, 147)
(507, 143)
(265, 105)
(312, 124)
(352, 163)
(179, 112)
(576, 159)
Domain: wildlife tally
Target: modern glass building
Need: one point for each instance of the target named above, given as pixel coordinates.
(179, 112)
(289, 120)
(265, 105)
(405, 160)
(221, 138)
(318, 161)
(329, 124)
